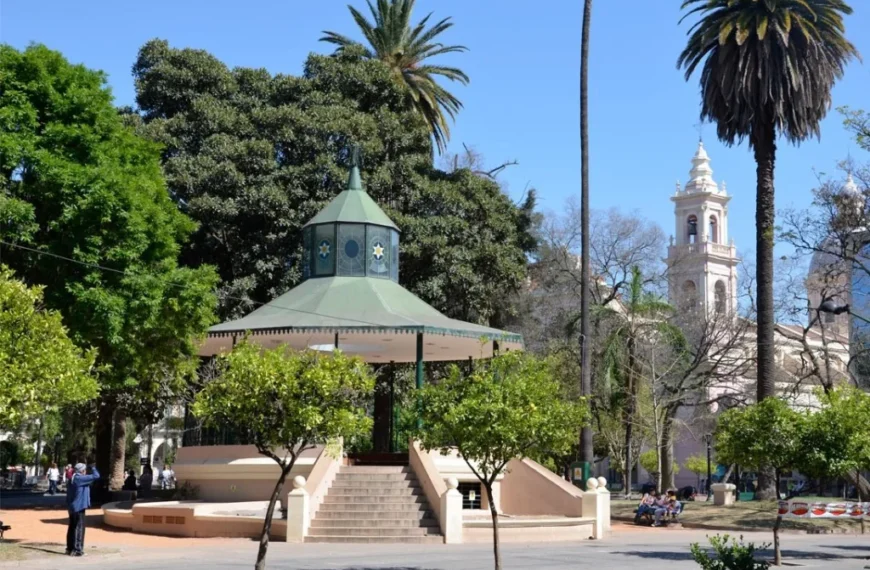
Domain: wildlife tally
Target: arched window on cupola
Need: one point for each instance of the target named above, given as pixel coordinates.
(714, 229)
(692, 229)
(720, 296)
(690, 295)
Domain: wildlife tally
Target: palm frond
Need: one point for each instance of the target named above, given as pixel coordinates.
(392, 39)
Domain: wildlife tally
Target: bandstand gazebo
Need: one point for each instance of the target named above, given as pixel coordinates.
(350, 298)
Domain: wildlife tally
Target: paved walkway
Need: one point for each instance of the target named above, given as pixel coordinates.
(630, 547)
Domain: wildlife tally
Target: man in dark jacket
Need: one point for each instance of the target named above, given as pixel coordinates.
(78, 499)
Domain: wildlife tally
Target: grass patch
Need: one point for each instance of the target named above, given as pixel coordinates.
(744, 515)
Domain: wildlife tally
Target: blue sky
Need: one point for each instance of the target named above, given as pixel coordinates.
(523, 100)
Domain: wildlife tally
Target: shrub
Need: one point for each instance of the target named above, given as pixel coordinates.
(728, 554)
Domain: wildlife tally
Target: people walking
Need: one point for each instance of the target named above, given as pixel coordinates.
(78, 499)
(53, 479)
(167, 477)
(145, 482)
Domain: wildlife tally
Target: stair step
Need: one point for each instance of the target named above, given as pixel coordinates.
(417, 514)
(374, 492)
(355, 484)
(380, 507)
(376, 477)
(374, 521)
(394, 531)
(431, 539)
(375, 469)
(374, 501)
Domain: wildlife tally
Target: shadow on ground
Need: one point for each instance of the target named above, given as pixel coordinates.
(786, 554)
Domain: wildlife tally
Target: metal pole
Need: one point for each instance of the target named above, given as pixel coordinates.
(709, 466)
(392, 407)
(335, 345)
(419, 377)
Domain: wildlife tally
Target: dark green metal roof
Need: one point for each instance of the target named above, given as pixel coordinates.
(355, 304)
(353, 205)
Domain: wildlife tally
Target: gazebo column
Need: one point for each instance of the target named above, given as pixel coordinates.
(419, 378)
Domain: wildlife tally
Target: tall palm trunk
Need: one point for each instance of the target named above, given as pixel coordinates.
(666, 452)
(586, 447)
(629, 414)
(764, 143)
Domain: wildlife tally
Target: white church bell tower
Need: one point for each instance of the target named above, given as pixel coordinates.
(702, 260)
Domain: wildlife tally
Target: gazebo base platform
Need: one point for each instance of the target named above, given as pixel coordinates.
(377, 459)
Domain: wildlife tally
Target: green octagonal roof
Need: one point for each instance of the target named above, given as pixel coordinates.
(353, 205)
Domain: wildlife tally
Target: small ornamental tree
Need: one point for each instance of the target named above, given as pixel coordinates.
(510, 407)
(284, 403)
(767, 433)
(40, 368)
(837, 439)
(697, 464)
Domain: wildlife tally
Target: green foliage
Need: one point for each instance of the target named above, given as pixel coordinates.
(857, 122)
(40, 368)
(96, 194)
(252, 157)
(287, 400)
(697, 464)
(649, 460)
(728, 554)
(836, 440)
(509, 407)
(767, 433)
(404, 49)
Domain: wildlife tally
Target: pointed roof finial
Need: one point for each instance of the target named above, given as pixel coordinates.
(354, 179)
(701, 175)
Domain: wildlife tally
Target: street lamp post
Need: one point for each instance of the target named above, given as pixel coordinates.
(709, 439)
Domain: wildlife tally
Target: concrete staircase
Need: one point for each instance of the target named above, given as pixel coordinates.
(375, 504)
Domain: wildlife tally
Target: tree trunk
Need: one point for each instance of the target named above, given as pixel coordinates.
(667, 452)
(119, 450)
(629, 414)
(103, 442)
(764, 143)
(270, 511)
(586, 445)
(494, 513)
(777, 553)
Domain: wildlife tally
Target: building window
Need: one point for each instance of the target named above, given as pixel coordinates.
(470, 495)
(690, 294)
(830, 318)
(721, 297)
(714, 229)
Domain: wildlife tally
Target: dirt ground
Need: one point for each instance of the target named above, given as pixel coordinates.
(49, 526)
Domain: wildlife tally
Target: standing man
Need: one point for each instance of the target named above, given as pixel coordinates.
(167, 477)
(53, 475)
(78, 499)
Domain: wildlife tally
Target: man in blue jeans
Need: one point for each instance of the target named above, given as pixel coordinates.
(78, 499)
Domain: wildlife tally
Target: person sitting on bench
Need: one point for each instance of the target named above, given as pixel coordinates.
(647, 504)
(670, 507)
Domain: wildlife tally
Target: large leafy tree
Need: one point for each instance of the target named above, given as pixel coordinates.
(103, 236)
(404, 48)
(285, 403)
(252, 157)
(767, 70)
(41, 370)
(507, 408)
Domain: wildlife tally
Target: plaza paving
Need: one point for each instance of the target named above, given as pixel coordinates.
(629, 547)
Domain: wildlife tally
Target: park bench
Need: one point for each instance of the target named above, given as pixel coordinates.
(648, 518)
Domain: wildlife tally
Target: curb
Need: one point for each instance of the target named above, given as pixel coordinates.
(736, 528)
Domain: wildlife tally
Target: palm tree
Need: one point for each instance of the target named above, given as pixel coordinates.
(768, 69)
(404, 49)
(587, 453)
